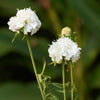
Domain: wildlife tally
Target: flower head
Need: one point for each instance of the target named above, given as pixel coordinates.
(66, 31)
(26, 19)
(64, 48)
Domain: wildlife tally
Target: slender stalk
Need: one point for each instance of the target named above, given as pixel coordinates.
(34, 67)
(71, 74)
(63, 76)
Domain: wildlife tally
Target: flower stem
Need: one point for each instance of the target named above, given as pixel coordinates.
(33, 63)
(63, 76)
(71, 74)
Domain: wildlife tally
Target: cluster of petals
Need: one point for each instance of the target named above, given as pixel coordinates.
(64, 48)
(25, 19)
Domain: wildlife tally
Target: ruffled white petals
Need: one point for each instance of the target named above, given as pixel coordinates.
(64, 47)
(15, 24)
(26, 19)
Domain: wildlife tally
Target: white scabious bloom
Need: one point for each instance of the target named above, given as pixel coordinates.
(26, 19)
(64, 47)
(15, 24)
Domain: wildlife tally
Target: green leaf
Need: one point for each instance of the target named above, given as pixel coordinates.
(44, 65)
(58, 85)
(51, 97)
(16, 34)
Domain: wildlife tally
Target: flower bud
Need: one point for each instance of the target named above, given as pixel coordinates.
(66, 31)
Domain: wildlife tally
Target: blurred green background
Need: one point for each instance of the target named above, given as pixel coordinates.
(17, 80)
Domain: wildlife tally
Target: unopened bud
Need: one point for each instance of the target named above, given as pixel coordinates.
(66, 31)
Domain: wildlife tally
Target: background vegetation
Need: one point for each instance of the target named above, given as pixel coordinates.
(17, 80)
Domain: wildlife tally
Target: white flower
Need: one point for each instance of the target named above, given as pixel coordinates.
(15, 24)
(26, 19)
(64, 47)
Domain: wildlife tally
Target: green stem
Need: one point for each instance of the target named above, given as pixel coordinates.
(63, 76)
(71, 74)
(33, 63)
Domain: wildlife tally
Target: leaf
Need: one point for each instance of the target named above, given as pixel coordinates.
(16, 34)
(58, 85)
(44, 65)
(51, 97)
(76, 95)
